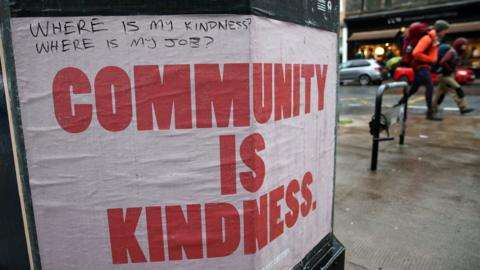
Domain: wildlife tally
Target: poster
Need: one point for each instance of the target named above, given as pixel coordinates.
(177, 142)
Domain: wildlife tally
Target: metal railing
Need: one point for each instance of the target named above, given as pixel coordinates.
(383, 121)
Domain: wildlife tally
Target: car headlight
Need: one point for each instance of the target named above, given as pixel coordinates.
(462, 72)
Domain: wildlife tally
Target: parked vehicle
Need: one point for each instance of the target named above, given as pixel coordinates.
(464, 75)
(362, 71)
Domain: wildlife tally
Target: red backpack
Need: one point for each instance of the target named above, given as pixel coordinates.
(415, 32)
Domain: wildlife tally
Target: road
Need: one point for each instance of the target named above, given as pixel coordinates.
(360, 100)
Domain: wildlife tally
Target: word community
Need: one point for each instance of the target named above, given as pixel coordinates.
(220, 91)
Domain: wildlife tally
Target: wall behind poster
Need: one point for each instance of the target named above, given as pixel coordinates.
(238, 171)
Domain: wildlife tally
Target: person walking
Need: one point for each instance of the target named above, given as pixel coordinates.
(424, 56)
(447, 81)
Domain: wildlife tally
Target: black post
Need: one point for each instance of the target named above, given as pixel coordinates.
(376, 127)
(405, 111)
(376, 121)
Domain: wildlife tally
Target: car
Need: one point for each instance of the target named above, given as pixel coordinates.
(463, 76)
(363, 71)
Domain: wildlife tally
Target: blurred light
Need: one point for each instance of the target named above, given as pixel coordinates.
(402, 29)
(387, 44)
(379, 51)
(462, 72)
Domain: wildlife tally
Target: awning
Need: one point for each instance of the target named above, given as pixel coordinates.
(464, 27)
(390, 33)
(369, 35)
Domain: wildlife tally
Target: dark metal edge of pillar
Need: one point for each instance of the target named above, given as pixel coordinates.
(337, 258)
(17, 134)
(13, 244)
(328, 254)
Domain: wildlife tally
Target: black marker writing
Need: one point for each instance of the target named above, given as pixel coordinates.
(64, 45)
(66, 28)
(112, 43)
(130, 26)
(162, 24)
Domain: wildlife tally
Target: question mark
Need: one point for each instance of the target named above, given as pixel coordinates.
(249, 20)
(210, 42)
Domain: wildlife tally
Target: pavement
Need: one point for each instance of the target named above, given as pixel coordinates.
(421, 208)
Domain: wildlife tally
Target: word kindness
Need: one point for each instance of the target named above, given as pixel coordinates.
(209, 230)
(186, 96)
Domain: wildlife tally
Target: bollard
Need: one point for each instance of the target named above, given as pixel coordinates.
(375, 124)
(174, 134)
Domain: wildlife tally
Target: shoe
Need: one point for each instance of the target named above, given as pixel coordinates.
(467, 110)
(431, 115)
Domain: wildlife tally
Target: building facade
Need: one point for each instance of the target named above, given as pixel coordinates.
(375, 28)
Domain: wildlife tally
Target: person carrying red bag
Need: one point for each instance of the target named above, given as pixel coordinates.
(424, 55)
(447, 81)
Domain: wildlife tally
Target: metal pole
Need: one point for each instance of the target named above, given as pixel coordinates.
(376, 121)
(405, 111)
(344, 43)
(376, 125)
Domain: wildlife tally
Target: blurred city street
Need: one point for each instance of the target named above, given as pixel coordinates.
(421, 208)
(355, 99)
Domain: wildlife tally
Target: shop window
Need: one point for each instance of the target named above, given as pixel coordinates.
(416, 3)
(373, 5)
(473, 53)
(381, 52)
(354, 6)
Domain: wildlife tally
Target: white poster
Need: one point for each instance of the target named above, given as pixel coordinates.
(177, 142)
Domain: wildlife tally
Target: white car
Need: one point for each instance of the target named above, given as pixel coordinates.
(362, 71)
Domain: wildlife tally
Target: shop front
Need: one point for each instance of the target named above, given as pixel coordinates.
(379, 35)
(379, 45)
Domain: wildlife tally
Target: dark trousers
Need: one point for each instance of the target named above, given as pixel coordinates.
(422, 77)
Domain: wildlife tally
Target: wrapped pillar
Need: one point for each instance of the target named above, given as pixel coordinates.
(176, 134)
